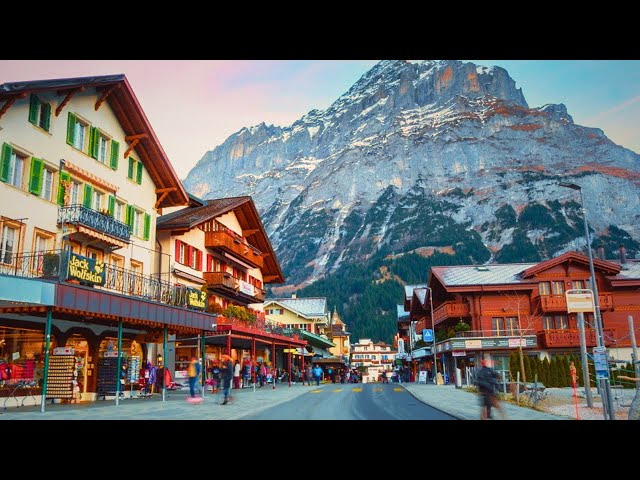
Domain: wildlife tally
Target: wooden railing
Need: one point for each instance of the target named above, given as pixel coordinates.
(235, 245)
(450, 310)
(558, 303)
(229, 282)
(570, 337)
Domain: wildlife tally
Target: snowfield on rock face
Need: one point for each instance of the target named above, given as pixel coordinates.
(453, 139)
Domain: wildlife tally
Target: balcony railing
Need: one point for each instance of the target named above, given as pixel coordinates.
(229, 282)
(558, 303)
(494, 333)
(80, 215)
(451, 310)
(234, 244)
(570, 337)
(52, 264)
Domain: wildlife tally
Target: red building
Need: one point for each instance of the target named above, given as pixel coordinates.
(492, 309)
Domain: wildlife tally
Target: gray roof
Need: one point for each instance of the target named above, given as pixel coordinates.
(408, 290)
(311, 307)
(470, 275)
(630, 270)
(401, 313)
(421, 293)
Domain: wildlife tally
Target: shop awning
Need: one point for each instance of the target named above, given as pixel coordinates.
(321, 353)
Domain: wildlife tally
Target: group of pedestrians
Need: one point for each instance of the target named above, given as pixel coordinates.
(226, 370)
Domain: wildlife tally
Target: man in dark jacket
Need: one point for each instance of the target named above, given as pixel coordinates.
(487, 381)
(226, 372)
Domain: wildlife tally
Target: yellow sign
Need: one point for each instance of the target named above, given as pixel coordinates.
(85, 269)
(580, 302)
(197, 299)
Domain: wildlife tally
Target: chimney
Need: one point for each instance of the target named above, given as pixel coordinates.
(601, 252)
(293, 295)
(623, 255)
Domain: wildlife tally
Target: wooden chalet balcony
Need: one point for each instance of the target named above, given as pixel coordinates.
(571, 337)
(450, 310)
(227, 283)
(558, 303)
(233, 244)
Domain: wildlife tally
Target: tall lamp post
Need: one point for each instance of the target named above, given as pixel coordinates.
(433, 346)
(594, 286)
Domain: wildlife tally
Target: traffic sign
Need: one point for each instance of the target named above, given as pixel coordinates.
(427, 335)
(579, 301)
(600, 363)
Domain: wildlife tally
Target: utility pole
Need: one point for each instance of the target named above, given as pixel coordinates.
(583, 359)
(634, 352)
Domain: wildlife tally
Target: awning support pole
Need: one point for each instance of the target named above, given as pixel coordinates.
(203, 373)
(164, 362)
(47, 344)
(119, 362)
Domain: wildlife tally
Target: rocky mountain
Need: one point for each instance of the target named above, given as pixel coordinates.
(427, 157)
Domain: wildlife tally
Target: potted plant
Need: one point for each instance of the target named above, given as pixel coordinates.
(51, 264)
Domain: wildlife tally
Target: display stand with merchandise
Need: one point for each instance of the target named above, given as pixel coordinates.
(60, 379)
(106, 382)
(133, 372)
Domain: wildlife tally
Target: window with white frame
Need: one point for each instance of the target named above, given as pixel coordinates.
(97, 200)
(79, 134)
(7, 243)
(47, 184)
(103, 144)
(16, 169)
(75, 193)
(137, 223)
(119, 209)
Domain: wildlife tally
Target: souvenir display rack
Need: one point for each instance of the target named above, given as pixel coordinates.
(61, 375)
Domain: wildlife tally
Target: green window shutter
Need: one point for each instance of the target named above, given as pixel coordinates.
(63, 176)
(112, 204)
(88, 195)
(35, 176)
(47, 115)
(71, 127)
(96, 143)
(147, 225)
(129, 221)
(92, 137)
(139, 175)
(7, 151)
(131, 163)
(33, 109)
(115, 147)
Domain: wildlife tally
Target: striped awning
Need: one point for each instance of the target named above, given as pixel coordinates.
(94, 179)
(101, 236)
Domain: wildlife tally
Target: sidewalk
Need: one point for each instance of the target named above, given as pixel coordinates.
(244, 402)
(466, 405)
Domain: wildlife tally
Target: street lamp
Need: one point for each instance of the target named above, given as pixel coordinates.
(433, 347)
(594, 286)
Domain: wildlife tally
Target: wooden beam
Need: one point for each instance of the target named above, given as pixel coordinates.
(70, 94)
(168, 189)
(131, 147)
(10, 101)
(250, 231)
(138, 136)
(105, 93)
(268, 278)
(160, 199)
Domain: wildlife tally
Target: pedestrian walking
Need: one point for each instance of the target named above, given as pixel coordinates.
(193, 373)
(309, 374)
(226, 372)
(317, 374)
(487, 382)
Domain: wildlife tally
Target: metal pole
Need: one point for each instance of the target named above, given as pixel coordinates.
(164, 361)
(289, 348)
(119, 362)
(434, 368)
(634, 351)
(203, 353)
(47, 344)
(584, 360)
(607, 401)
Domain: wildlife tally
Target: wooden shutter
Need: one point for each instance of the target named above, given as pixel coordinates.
(177, 254)
(94, 142)
(88, 195)
(112, 205)
(131, 163)
(33, 109)
(7, 151)
(71, 126)
(46, 107)
(199, 260)
(147, 226)
(189, 261)
(129, 217)
(35, 176)
(209, 263)
(139, 173)
(63, 176)
(115, 148)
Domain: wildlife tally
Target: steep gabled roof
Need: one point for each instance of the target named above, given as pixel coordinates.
(248, 218)
(408, 290)
(607, 268)
(132, 119)
(307, 307)
(494, 274)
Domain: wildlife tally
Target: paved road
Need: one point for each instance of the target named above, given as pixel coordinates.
(352, 402)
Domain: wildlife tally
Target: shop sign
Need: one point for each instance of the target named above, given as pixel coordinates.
(400, 346)
(473, 343)
(64, 351)
(457, 344)
(87, 271)
(517, 342)
(508, 342)
(458, 353)
(196, 299)
(247, 288)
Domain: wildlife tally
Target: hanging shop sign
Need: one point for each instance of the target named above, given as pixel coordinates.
(458, 353)
(87, 271)
(400, 346)
(196, 299)
(247, 288)
(64, 351)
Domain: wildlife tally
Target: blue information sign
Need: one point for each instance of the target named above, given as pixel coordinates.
(427, 335)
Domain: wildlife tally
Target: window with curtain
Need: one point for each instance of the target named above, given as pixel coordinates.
(544, 288)
(557, 288)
